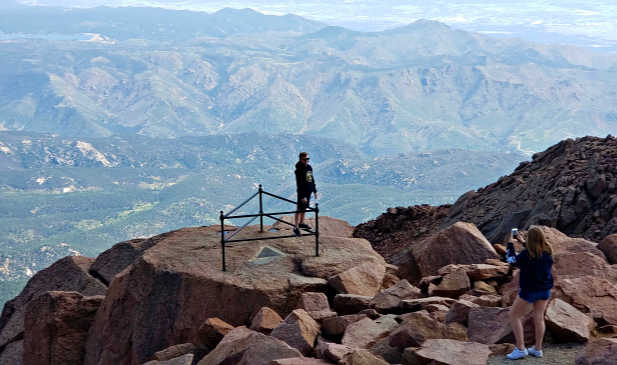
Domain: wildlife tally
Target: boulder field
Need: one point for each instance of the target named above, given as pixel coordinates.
(278, 303)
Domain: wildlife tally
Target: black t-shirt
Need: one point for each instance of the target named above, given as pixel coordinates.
(305, 181)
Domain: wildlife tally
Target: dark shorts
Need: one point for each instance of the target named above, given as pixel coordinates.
(532, 296)
(301, 205)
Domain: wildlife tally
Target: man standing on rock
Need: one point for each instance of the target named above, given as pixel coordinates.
(305, 185)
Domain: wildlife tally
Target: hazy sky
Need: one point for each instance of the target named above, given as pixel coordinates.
(560, 19)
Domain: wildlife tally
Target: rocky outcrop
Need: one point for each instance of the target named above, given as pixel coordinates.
(179, 281)
(571, 186)
(56, 327)
(461, 243)
(68, 274)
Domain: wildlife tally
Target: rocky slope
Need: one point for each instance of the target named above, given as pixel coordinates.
(571, 186)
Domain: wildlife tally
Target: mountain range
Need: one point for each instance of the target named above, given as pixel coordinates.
(420, 87)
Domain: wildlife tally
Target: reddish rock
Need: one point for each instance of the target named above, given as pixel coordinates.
(486, 300)
(412, 305)
(111, 262)
(265, 320)
(56, 327)
(328, 226)
(452, 285)
(486, 271)
(390, 299)
(248, 347)
(448, 352)
(609, 247)
(336, 326)
(489, 325)
(366, 332)
(67, 274)
(599, 352)
(566, 323)
(361, 357)
(580, 264)
(461, 243)
(179, 282)
(364, 279)
(351, 303)
(593, 295)
(459, 311)
(417, 327)
(331, 351)
(175, 351)
(484, 288)
(316, 305)
(212, 331)
(298, 330)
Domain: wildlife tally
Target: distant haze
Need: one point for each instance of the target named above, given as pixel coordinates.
(584, 23)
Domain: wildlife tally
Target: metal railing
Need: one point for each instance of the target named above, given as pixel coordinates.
(260, 192)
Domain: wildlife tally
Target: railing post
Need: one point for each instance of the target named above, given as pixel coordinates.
(222, 217)
(316, 229)
(261, 211)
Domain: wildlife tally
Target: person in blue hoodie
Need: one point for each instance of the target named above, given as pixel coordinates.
(535, 281)
(305, 184)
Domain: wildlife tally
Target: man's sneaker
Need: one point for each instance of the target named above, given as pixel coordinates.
(517, 354)
(296, 231)
(533, 352)
(304, 226)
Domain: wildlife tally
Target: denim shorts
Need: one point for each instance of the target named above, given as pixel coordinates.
(532, 296)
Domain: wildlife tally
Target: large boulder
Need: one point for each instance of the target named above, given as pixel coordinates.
(335, 326)
(599, 352)
(179, 282)
(212, 331)
(67, 274)
(316, 305)
(566, 323)
(248, 347)
(581, 264)
(461, 243)
(491, 325)
(56, 327)
(448, 352)
(590, 294)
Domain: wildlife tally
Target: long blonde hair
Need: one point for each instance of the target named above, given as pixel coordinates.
(536, 243)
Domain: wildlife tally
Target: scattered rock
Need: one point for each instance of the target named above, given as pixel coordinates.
(417, 327)
(453, 285)
(265, 320)
(335, 326)
(351, 303)
(175, 351)
(364, 279)
(448, 352)
(316, 305)
(390, 299)
(361, 357)
(459, 311)
(366, 332)
(590, 294)
(298, 330)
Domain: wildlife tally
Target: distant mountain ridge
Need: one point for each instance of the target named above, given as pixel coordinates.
(415, 88)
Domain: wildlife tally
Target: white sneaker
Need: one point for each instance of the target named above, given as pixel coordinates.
(517, 354)
(533, 352)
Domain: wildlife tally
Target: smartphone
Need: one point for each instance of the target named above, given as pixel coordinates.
(514, 232)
